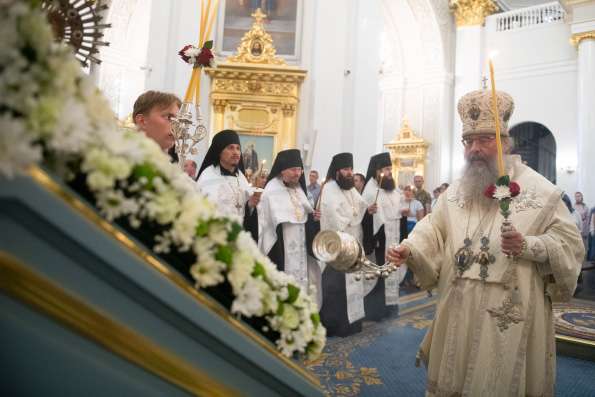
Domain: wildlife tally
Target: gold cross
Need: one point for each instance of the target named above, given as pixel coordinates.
(258, 16)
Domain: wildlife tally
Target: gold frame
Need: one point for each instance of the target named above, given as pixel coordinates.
(409, 147)
(44, 180)
(18, 281)
(256, 94)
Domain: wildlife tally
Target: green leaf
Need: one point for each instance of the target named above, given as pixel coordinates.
(504, 205)
(315, 319)
(258, 270)
(280, 308)
(235, 231)
(293, 293)
(504, 180)
(145, 170)
(208, 45)
(202, 229)
(224, 254)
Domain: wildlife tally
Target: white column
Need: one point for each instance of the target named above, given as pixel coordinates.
(586, 118)
(468, 75)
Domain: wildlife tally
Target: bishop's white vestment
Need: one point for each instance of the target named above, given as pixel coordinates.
(486, 340)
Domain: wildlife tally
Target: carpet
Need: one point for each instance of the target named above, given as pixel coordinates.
(380, 361)
(576, 319)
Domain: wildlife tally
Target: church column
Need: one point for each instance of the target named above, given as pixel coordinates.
(469, 62)
(585, 42)
(219, 110)
(289, 122)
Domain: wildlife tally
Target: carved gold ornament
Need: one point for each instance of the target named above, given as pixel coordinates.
(255, 92)
(408, 154)
(472, 12)
(257, 45)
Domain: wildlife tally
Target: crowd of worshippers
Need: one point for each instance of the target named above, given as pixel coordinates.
(283, 214)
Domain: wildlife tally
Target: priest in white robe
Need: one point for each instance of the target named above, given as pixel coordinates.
(288, 223)
(493, 333)
(381, 227)
(221, 178)
(341, 209)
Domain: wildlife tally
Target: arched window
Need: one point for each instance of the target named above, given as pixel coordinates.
(537, 147)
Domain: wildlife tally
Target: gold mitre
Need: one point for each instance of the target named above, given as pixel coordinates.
(475, 109)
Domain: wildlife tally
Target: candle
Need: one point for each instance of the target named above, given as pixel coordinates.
(379, 185)
(261, 167)
(320, 195)
(497, 121)
(207, 19)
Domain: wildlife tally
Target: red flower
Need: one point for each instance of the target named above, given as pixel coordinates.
(182, 53)
(515, 189)
(489, 192)
(204, 58)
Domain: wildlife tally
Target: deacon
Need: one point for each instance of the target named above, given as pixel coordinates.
(341, 209)
(493, 333)
(381, 226)
(221, 179)
(287, 221)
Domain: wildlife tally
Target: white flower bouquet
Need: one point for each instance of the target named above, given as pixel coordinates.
(51, 112)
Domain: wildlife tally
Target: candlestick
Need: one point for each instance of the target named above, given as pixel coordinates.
(497, 121)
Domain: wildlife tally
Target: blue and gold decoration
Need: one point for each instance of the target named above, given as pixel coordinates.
(576, 319)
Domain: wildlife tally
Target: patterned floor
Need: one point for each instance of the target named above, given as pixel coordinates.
(380, 361)
(576, 319)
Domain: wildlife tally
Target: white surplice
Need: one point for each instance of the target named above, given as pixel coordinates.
(343, 211)
(389, 216)
(289, 207)
(229, 193)
(481, 343)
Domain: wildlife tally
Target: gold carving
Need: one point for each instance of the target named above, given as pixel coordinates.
(83, 209)
(261, 91)
(472, 12)
(576, 38)
(257, 45)
(408, 155)
(219, 105)
(49, 299)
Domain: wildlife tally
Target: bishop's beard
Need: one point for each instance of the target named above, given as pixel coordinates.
(477, 176)
(345, 182)
(388, 184)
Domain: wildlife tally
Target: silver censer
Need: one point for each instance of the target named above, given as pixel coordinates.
(345, 254)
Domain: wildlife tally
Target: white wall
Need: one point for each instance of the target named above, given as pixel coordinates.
(537, 66)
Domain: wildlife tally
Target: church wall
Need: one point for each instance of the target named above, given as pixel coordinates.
(537, 66)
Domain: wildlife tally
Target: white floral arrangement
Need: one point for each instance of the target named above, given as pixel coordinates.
(50, 111)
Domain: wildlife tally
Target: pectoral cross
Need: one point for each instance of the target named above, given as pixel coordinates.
(484, 83)
(464, 256)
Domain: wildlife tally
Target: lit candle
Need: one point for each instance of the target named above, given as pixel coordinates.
(497, 121)
(379, 185)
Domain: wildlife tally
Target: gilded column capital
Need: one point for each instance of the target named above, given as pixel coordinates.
(288, 109)
(578, 37)
(219, 105)
(472, 12)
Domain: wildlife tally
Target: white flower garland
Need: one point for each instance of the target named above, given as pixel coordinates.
(49, 106)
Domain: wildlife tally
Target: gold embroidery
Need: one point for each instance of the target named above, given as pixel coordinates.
(506, 314)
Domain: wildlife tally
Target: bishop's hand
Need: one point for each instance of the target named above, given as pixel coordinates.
(512, 241)
(398, 255)
(373, 209)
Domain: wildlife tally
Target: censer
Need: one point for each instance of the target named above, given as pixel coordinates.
(345, 254)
